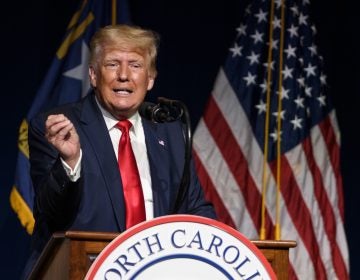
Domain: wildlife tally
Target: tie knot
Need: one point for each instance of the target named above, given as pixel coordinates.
(124, 125)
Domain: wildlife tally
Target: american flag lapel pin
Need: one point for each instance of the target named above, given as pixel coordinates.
(161, 142)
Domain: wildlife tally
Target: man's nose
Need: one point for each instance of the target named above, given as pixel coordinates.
(123, 73)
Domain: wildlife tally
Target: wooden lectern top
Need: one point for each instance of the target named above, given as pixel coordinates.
(69, 255)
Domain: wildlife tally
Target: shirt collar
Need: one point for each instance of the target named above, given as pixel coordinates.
(111, 121)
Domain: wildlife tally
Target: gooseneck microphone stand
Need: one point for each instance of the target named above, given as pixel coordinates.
(185, 179)
(168, 110)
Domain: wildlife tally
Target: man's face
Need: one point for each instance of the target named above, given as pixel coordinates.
(121, 80)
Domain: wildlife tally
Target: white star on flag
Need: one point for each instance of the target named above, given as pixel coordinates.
(81, 72)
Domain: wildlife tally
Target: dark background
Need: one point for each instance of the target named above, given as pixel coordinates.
(195, 37)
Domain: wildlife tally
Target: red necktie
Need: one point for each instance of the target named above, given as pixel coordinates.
(134, 198)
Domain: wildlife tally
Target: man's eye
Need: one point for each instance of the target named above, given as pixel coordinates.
(111, 65)
(135, 65)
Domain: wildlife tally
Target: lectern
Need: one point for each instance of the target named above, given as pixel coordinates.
(69, 255)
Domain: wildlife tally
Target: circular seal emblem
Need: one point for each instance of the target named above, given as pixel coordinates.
(181, 247)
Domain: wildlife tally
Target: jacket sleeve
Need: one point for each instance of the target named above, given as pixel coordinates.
(190, 192)
(56, 197)
(194, 201)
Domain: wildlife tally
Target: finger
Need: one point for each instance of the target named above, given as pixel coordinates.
(64, 134)
(54, 129)
(53, 119)
(65, 131)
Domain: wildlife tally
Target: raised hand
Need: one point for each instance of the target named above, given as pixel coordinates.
(61, 133)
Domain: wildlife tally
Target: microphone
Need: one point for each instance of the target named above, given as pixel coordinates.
(168, 102)
(154, 112)
(168, 110)
(181, 112)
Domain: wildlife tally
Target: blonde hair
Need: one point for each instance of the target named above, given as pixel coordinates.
(127, 37)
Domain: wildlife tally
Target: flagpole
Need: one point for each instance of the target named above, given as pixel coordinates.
(267, 121)
(278, 153)
(113, 12)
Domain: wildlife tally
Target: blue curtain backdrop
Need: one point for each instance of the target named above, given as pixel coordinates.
(194, 42)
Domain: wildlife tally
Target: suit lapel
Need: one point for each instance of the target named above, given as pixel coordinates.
(97, 135)
(157, 149)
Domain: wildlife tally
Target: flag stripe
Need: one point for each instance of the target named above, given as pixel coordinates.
(333, 148)
(330, 174)
(325, 176)
(304, 185)
(211, 193)
(224, 182)
(299, 213)
(245, 140)
(73, 36)
(235, 159)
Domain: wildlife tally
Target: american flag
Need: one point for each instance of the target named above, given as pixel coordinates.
(267, 146)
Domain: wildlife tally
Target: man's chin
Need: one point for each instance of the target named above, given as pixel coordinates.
(124, 112)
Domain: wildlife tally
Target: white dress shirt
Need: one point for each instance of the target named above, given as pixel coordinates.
(137, 139)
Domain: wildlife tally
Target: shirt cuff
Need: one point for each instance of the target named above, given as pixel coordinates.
(73, 174)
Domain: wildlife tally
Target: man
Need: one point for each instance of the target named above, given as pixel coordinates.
(75, 153)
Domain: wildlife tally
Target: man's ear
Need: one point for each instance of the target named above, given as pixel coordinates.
(151, 83)
(92, 76)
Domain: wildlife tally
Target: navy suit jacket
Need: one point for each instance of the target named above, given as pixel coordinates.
(95, 202)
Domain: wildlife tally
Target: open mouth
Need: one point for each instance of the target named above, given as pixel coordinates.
(123, 91)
